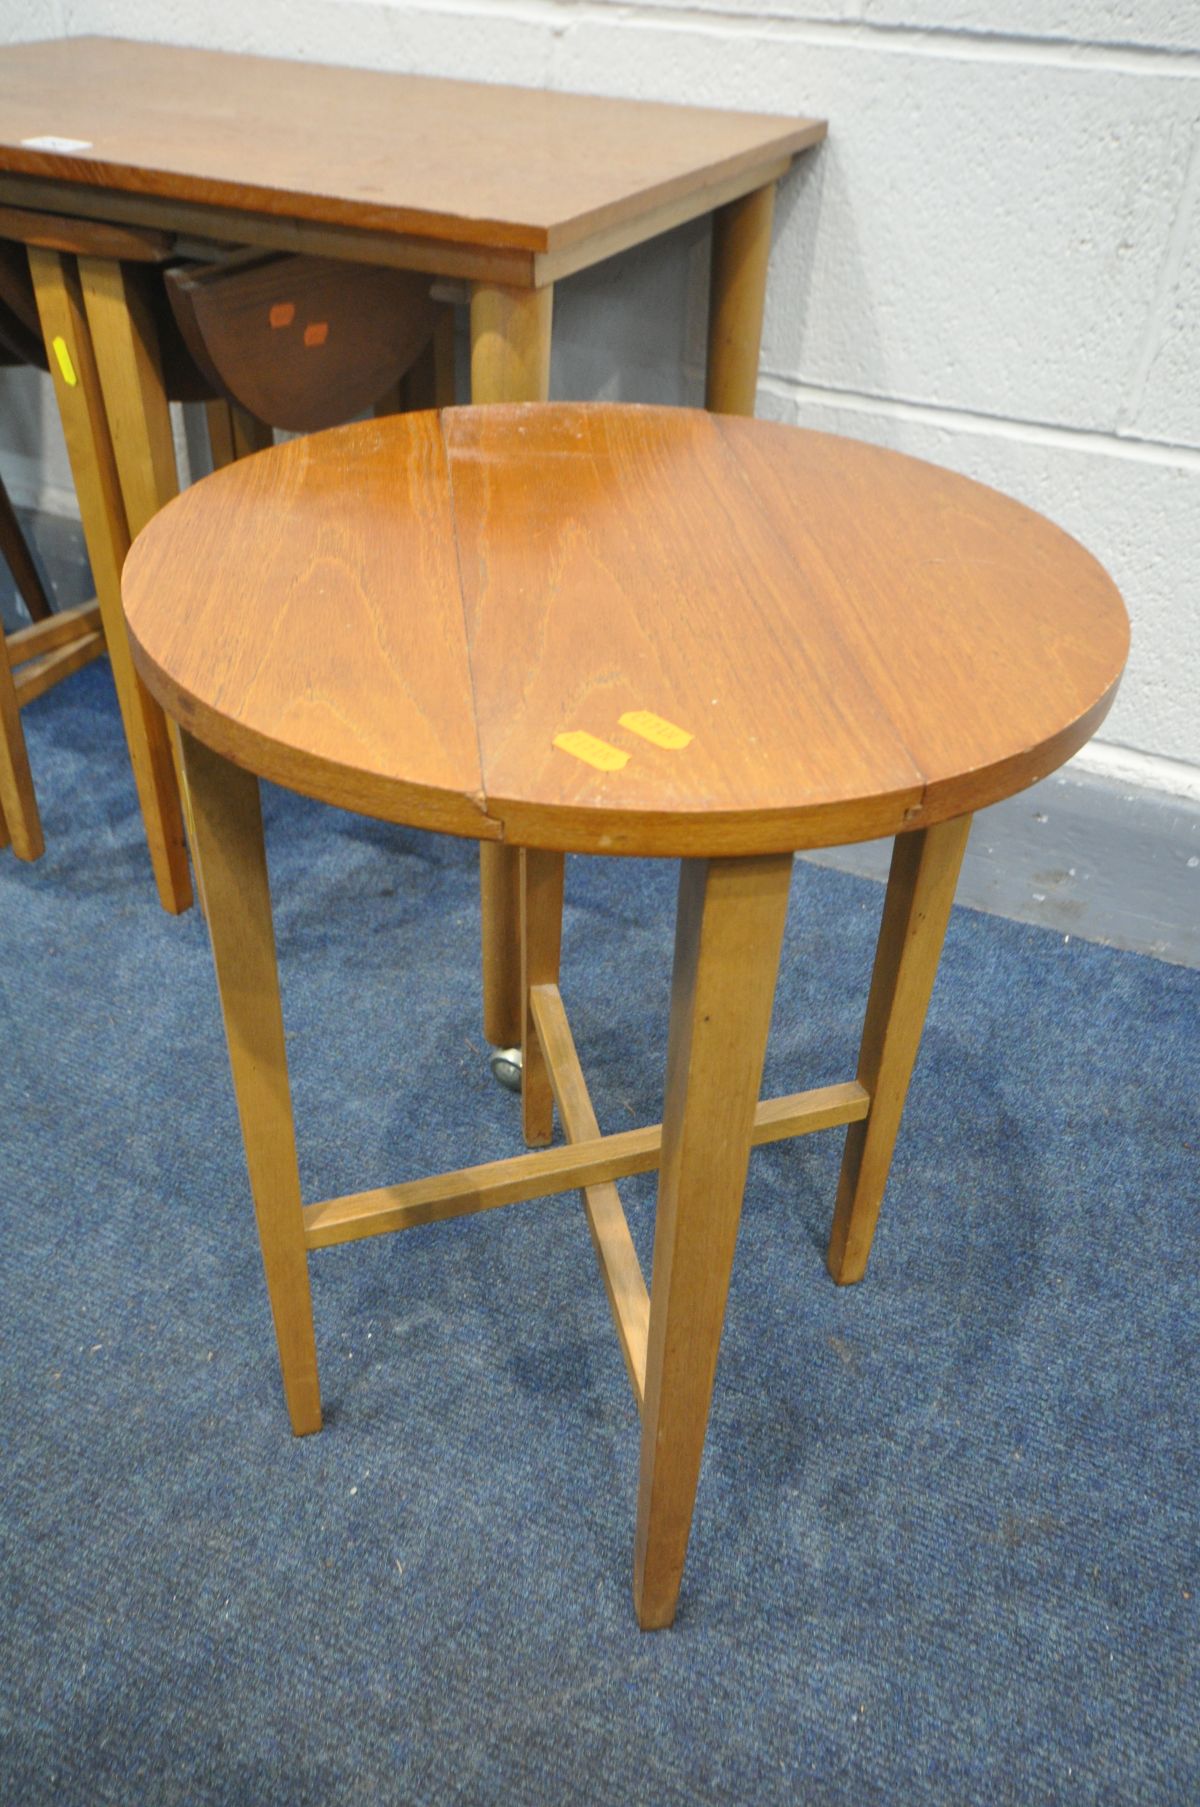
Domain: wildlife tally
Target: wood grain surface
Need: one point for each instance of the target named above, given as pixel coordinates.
(728, 936)
(77, 386)
(324, 623)
(472, 162)
(623, 630)
(84, 238)
(300, 342)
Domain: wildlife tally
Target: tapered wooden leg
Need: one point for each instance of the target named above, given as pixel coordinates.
(741, 245)
(500, 933)
(430, 382)
(19, 560)
(229, 851)
(510, 343)
(249, 433)
(541, 947)
(232, 433)
(510, 362)
(727, 940)
(125, 341)
(19, 819)
(218, 421)
(97, 486)
(393, 400)
(916, 909)
(445, 362)
(129, 365)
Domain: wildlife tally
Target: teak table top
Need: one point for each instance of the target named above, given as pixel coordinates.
(466, 162)
(405, 616)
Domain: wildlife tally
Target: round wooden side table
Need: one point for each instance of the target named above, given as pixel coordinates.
(614, 630)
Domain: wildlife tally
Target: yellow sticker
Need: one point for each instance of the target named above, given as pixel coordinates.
(653, 728)
(585, 746)
(64, 361)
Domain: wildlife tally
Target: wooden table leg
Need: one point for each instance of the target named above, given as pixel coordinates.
(510, 343)
(125, 342)
(510, 362)
(727, 942)
(232, 860)
(541, 947)
(19, 560)
(916, 909)
(218, 419)
(97, 486)
(129, 366)
(741, 245)
(234, 433)
(432, 381)
(19, 819)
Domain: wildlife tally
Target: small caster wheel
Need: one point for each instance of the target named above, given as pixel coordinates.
(506, 1067)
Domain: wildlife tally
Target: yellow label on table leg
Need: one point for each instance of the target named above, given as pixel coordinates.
(582, 745)
(63, 357)
(656, 729)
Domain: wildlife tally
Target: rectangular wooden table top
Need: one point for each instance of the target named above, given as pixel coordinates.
(487, 166)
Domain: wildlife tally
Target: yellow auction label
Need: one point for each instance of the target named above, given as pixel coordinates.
(582, 745)
(64, 361)
(659, 732)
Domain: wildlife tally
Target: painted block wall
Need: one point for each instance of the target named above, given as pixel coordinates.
(994, 262)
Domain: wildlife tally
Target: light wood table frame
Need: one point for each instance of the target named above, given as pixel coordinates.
(32, 660)
(645, 631)
(504, 189)
(729, 933)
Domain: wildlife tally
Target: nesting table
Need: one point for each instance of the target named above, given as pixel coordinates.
(615, 630)
(137, 150)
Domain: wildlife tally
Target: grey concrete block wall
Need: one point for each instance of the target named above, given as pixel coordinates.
(993, 263)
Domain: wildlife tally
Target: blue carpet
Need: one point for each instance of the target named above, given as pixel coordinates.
(945, 1547)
